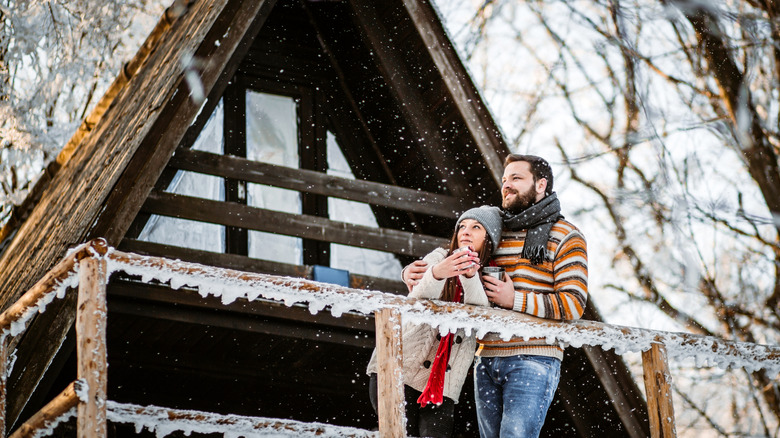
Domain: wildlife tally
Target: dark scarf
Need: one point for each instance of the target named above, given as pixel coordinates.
(538, 219)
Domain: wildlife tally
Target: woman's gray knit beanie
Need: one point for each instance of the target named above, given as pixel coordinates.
(489, 217)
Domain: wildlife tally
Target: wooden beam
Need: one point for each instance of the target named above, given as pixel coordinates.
(317, 182)
(91, 347)
(249, 264)
(390, 382)
(310, 227)
(658, 387)
(465, 95)
(59, 406)
(402, 85)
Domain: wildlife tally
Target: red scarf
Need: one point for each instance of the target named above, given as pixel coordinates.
(434, 389)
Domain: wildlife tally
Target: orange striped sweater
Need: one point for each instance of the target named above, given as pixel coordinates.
(555, 289)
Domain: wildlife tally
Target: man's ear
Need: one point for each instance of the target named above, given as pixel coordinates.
(541, 186)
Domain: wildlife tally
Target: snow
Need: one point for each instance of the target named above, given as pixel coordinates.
(163, 422)
(59, 290)
(159, 421)
(50, 426)
(81, 387)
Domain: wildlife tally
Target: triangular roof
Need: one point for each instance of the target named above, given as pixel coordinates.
(397, 96)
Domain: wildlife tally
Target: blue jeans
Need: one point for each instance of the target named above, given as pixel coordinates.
(513, 394)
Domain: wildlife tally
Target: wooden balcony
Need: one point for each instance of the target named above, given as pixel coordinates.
(89, 266)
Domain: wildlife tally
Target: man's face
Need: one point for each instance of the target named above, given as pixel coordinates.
(518, 190)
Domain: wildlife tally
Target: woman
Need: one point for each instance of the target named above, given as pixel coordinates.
(435, 367)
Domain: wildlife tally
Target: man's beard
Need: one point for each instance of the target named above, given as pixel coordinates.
(521, 201)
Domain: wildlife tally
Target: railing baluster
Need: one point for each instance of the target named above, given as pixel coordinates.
(91, 346)
(390, 387)
(658, 386)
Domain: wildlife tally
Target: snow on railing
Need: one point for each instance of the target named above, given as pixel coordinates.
(164, 421)
(230, 285)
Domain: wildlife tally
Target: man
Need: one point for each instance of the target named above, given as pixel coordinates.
(545, 259)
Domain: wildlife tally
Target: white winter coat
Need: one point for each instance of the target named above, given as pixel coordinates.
(420, 342)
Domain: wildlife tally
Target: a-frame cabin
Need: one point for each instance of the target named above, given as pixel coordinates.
(314, 116)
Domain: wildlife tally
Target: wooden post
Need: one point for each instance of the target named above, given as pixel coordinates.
(91, 346)
(390, 383)
(658, 386)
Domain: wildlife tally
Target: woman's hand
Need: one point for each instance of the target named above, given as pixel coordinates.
(459, 263)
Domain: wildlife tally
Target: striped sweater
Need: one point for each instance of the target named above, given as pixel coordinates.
(555, 289)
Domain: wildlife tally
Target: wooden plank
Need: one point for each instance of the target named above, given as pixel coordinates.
(65, 401)
(403, 86)
(309, 227)
(91, 347)
(249, 264)
(658, 387)
(473, 110)
(390, 382)
(317, 182)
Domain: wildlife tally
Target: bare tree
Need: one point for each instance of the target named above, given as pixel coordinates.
(55, 58)
(666, 113)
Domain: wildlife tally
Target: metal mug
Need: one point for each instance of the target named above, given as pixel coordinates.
(496, 272)
(463, 248)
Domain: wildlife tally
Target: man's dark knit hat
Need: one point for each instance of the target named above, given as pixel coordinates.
(489, 217)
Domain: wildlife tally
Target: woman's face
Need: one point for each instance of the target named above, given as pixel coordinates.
(471, 233)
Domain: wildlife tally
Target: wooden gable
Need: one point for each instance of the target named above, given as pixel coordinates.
(383, 78)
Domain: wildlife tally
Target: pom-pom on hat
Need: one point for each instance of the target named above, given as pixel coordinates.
(489, 217)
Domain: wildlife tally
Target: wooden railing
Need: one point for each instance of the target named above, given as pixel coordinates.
(90, 265)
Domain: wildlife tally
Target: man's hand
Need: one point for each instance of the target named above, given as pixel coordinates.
(500, 293)
(413, 273)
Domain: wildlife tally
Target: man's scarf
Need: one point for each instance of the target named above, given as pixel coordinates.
(538, 219)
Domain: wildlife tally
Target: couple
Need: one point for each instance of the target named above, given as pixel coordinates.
(545, 260)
